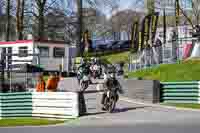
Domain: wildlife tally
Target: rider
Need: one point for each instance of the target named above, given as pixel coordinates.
(110, 82)
(95, 66)
(83, 69)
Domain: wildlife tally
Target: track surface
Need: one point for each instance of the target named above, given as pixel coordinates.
(128, 118)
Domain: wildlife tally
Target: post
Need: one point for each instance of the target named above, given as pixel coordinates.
(163, 53)
(164, 26)
(38, 59)
(26, 80)
(2, 71)
(175, 38)
(62, 64)
(10, 76)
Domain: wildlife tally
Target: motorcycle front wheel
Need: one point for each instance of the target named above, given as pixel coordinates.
(112, 105)
(84, 86)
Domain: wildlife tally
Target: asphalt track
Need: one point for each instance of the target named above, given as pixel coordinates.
(128, 118)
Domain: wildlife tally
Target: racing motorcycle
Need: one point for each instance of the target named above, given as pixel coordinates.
(110, 100)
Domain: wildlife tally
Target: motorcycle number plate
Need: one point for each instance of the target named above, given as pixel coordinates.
(108, 93)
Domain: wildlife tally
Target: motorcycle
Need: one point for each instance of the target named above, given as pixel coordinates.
(96, 71)
(110, 100)
(84, 82)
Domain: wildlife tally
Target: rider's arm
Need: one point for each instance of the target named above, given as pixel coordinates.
(121, 91)
(105, 87)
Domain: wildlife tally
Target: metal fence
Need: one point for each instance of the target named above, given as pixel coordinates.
(169, 53)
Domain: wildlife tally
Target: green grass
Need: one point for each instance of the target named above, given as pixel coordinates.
(111, 58)
(117, 57)
(184, 105)
(27, 122)
(184, 71)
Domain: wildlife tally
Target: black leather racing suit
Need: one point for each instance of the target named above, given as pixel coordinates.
(110, 84)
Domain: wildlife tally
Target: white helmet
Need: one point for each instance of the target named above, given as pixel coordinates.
(112, 75)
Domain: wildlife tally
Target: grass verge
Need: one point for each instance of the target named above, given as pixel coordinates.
(184, 71)
(27, 122)
(117, 57)
(184, 105)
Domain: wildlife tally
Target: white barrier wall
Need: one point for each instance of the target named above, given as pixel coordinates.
(61, 105)
(55, 104)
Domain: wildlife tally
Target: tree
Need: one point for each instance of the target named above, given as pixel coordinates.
(40, 4)
(8, 20)
(42, 8)
(80, 23)
(122, 21)
(20, 18)
(98, 22)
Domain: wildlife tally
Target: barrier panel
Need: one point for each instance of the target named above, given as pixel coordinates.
(180, 92)
(55, 104)
(15, 105)
(61, 105)
(147, 91)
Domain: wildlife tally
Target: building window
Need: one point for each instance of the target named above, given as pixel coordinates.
(44, 51)
(58, 52)
(23, 51)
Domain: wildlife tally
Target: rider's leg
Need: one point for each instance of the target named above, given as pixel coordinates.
(117, 97)
(103, 101)
(103, 98)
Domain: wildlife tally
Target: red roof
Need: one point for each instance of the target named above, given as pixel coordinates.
(14, 42)
(28, 41)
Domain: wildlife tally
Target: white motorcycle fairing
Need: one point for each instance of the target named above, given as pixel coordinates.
(85, 78)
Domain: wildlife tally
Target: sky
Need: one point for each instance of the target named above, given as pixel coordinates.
(129, 4)
(0, 11)
(124, 4)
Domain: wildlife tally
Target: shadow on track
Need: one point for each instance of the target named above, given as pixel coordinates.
(96, 113)
(119, 110)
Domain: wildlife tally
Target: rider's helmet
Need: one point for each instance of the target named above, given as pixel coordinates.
(111, 71)
(112, 75)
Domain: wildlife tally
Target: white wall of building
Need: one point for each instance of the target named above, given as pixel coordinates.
(48, 61)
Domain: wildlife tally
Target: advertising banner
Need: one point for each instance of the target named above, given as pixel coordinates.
(154, 24)
(146, 23)
(134, 36)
